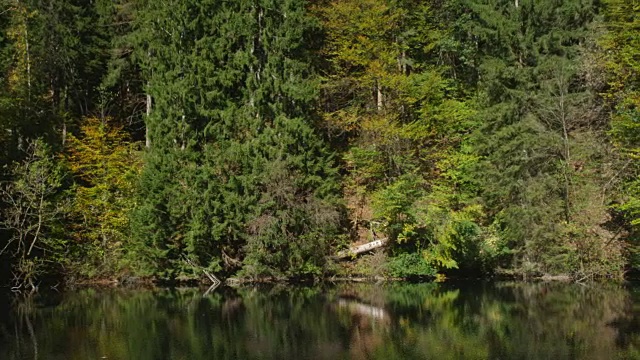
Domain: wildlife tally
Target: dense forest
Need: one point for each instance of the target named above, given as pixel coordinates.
(258, 138)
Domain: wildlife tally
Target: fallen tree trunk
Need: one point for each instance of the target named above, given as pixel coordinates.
(356, 250)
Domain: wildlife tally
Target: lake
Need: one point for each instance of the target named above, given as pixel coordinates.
(469, 320)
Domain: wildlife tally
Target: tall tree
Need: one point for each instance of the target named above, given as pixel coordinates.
(230, 129)
(622, 45)
(122, 90)
(54, 57)
(387, 99)
(539, 166)
(104, 165)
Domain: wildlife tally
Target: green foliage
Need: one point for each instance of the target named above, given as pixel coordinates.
(235, 174)
(409, 265)
(393, 204)
(104, 165)
(622, 63)
(53, 56)
(536, 108)
(400, 132)
(474, 134)
(33, 216)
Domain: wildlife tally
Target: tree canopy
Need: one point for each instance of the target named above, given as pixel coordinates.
(260, 138)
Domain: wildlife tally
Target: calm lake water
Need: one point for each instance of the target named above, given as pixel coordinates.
(347, 321)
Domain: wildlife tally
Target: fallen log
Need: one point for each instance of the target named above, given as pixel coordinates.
(356, 250)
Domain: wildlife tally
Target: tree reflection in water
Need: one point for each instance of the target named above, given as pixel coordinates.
(347, 321)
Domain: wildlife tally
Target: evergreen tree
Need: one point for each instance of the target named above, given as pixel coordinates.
(60, 56)
(230, 128)
(539, 166)
(52, 57)
(122, 90)
(622, 45)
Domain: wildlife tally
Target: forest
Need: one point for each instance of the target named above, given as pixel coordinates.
(256, 139)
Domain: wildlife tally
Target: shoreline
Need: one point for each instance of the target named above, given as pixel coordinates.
(150, 283)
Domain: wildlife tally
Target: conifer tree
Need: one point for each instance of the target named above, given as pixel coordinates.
(539, 166)
(231, 124)
(622, 45)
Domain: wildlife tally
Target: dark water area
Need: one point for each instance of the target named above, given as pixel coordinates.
(346, 321)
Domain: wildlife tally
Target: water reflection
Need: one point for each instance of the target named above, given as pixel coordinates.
(349, 321)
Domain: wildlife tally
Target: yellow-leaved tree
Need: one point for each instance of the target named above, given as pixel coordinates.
(105, 165)
(400, 125)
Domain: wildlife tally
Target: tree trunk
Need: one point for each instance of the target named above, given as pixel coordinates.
(147, 139)
(64, 131)
(379, 97)
(362, 248)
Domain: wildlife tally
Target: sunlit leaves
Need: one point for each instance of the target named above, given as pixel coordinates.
(622, 61)
(104, 165)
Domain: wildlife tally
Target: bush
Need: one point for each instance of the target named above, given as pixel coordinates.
(408, 265)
